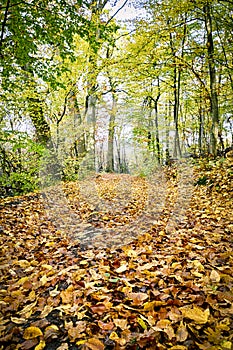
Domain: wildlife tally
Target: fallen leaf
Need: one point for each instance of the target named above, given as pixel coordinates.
(181, 334)
(138, 298)
(32, 332)
(18, 320)
(121, 323)
(41, 345)
(114, 336)
(29, 344)
(44, 280)
(214, 276)
(196, 314)
(98, 309)
(94, 344)
(122, 268)
(106, 326)
(142, 323)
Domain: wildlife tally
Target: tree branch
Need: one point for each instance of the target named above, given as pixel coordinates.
(120, 8)
(3, 25)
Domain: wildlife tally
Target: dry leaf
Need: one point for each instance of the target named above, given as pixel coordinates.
(138, 298)
(41, 345)
(181, 334)
(18, 320)
(214, 276)
(122, 268)
(121, 323)
(32, 332)
(44, 280)
(114, 336)
(106, 326)
(196, 314)
(94, 344)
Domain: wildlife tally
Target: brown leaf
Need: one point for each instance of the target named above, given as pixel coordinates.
(121, 323)
(106, 326)
(94, 344)
(29, 344)
(181, 334)
(138, 298)
(67, 295)
(51, 332)
(75, 332)
(214, 276)
(98, 309)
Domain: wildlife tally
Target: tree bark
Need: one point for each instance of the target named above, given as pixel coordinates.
(214, 110)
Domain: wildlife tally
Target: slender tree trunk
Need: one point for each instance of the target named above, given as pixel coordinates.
(111, 134)
(168, 114)
(213, 84)
(3, 26)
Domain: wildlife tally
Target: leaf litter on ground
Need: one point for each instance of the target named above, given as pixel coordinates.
(120, 262)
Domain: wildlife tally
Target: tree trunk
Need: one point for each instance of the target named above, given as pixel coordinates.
(111, 134)
(214, 110)
(42, 128)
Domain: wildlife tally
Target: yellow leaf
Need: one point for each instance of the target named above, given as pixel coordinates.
(53, 327)
(41, 345)
(113, 336)
(22, 280)
(80, 342)
(47, 309)
(196, 264)
(23, 263)
(142, 323)
(122, 268)
(32, 332)
(94, 344)
(18, 320)
(226, 345)
(46, 266)
(214, 276)
(32, 295)
(43, 280)
(27, 310)
(163, 324)
(179, 347)
(149, 306)
(196, 314)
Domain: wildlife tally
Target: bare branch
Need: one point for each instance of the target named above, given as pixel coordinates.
(120, 8)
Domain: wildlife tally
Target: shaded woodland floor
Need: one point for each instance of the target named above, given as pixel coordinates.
(120, 262)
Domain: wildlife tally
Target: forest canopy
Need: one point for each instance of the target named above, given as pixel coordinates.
(106, 85)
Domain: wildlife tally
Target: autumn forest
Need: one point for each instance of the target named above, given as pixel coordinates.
(116, 169)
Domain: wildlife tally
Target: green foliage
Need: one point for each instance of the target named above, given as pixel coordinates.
(202, 181)
(70, 169)
(19, 160)
(28, 26)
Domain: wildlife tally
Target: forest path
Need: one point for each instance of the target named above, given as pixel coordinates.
(165, 284)
(113, 209)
